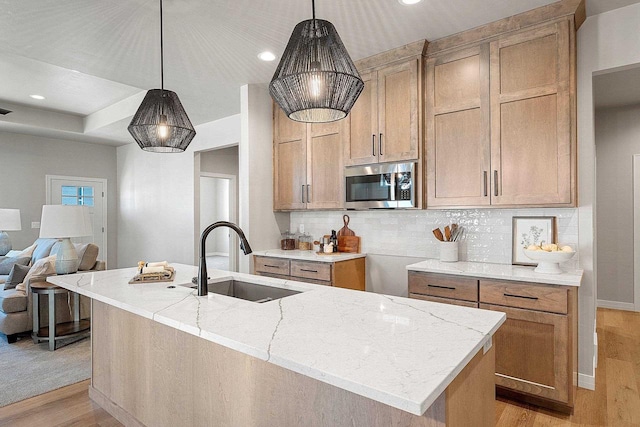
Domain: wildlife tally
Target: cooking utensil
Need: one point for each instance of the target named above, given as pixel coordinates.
(438, 234)
(447, 233)
(346, 231)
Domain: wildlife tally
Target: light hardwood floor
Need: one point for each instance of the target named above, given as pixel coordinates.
(616, 401)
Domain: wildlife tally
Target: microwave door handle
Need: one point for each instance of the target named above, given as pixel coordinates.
(392, 197)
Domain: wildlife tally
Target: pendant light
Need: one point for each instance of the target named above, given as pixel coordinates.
(161, 125)
(316, 80)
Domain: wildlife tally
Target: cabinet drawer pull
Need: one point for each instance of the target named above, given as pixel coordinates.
(380, 144)
(442, 287)
(486, 191)
(310, 271)
(520, 296)
(373, 144)
(495, 182)
(271, 266)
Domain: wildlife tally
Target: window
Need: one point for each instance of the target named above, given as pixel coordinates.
(82, 196)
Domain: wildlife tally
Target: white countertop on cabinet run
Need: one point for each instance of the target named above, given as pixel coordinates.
(308, 255)
(398, 351)
(485, 270)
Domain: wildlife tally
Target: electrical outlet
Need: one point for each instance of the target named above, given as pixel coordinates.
(35, 225)
(302, 228)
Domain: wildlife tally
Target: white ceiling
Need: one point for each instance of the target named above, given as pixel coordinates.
(94, 59)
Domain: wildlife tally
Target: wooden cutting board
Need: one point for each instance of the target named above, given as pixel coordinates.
(350, 244)
(345, 231)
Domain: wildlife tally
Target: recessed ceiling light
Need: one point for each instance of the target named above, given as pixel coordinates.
(266, 56)
(406, 2)
(37, 96)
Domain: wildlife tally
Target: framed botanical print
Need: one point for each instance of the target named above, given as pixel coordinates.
(531, 230)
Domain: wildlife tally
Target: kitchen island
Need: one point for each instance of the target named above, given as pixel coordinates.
(161, 355)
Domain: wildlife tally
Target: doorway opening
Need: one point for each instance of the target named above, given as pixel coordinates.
(218, 201)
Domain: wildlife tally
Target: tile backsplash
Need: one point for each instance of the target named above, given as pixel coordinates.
(408, 232)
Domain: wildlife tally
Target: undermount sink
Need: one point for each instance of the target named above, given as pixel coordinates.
(248, 291)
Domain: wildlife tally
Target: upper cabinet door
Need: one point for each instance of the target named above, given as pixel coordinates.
(532, 149)
(362, 146)
(289, 161)
(399, 112)
(458, 128)
(325, 167)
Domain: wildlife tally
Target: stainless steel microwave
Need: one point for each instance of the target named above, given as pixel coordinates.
(382, 186)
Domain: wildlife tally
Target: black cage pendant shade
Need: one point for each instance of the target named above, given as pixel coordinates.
(316, 81)
(161, 125)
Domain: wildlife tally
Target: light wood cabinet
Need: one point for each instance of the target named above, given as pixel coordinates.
(349, 274)
(500, 121)
(536, 348)
(307, 163)
(385, 121)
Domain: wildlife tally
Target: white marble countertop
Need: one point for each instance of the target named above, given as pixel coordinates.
(497, 271)
(398, 351)
(308, 255)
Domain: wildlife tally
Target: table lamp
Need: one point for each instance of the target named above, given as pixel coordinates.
(63, 222)
(9, 221)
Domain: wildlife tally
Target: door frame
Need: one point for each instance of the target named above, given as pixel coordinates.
(636, 232)
(105, 222)
(233, 215)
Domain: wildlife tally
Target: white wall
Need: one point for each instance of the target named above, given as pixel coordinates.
(402, 237)
(261, 225)
(605, 42)
(214, 206)
(617, 139)
(25, 160)
(158, 207)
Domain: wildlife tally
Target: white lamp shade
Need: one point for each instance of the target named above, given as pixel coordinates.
(10, 220)
(59, 221)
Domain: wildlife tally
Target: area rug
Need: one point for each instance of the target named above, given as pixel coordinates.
(28, 369)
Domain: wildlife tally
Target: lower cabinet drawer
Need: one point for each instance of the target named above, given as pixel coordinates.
(311, 270)
(443, 286)
(444, 300)
(549, 298)
(271, 265)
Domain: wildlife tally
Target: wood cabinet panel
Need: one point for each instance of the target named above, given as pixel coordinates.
(290, 174)
(311, 270)
(533, 297)
(325, 166)
(362, 147)
(285, 129)
(531, 353)
(444, 300)
(271, 265)
(398, 112)
(458, 125)
(532, 147)
(444, 286)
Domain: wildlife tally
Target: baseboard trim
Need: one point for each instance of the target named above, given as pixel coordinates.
(113, 409)
(616, 305)
(587, 381)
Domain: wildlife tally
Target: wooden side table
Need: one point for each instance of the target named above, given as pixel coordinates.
(55, 332)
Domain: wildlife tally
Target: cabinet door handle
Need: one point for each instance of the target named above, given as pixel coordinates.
(486, 190)
(373, 144)
(442, 287)
(310, 271)
(380, 143)
(308, 198)
(495, 182)
(302, 193)
(521, 296)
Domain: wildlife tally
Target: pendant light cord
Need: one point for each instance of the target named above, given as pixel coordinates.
(161, 52)
(313, 9)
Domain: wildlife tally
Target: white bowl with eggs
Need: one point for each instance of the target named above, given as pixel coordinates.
(549, 257)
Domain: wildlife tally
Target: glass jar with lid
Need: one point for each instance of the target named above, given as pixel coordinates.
(287, 241)
(305, 242)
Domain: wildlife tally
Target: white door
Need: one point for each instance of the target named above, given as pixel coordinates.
(90, 192)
